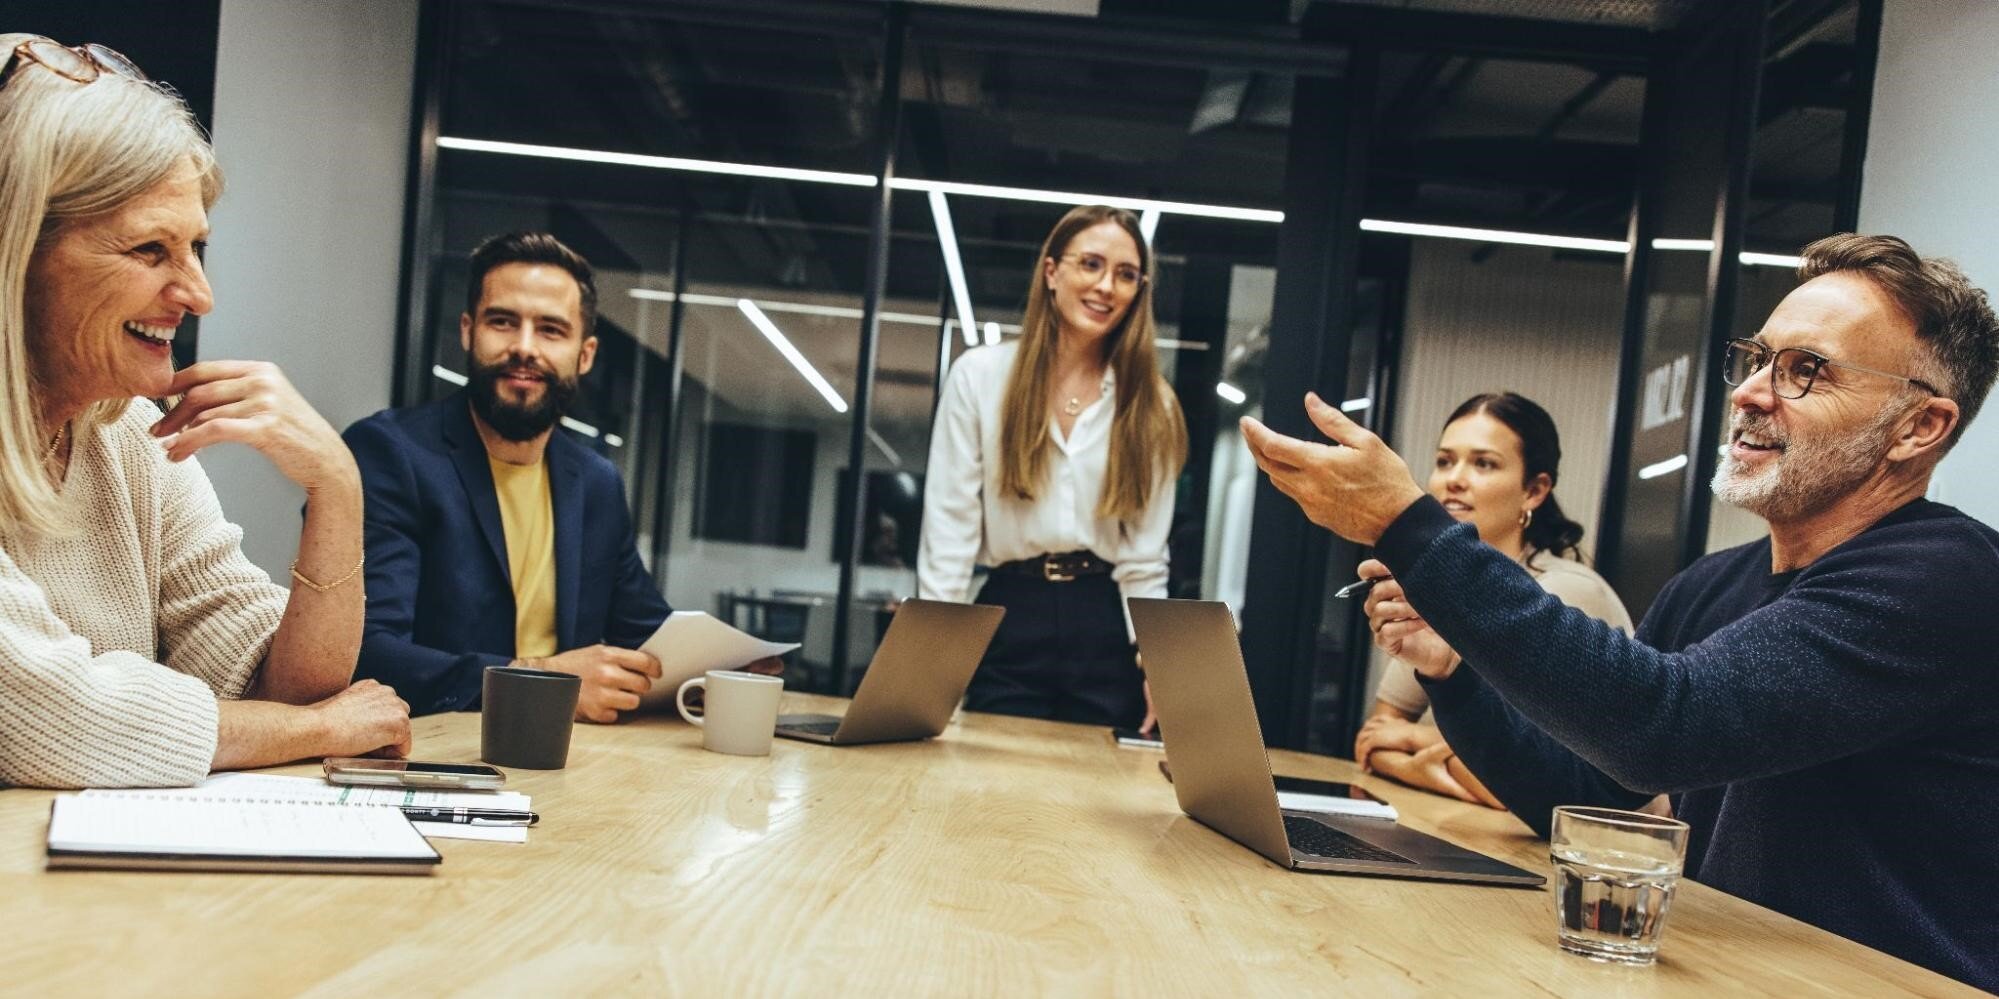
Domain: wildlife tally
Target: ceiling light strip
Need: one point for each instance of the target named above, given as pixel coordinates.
(1667, 467)
(1495, 236)
(656, 162)
(1074, 198)
(954, 266)
(777, 339)
(1144, 206)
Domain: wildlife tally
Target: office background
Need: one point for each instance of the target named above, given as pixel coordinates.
(339, 243)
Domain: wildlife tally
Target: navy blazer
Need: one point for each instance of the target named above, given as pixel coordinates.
(440, 593)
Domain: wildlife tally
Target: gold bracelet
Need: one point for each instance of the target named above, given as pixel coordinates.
(323, 587)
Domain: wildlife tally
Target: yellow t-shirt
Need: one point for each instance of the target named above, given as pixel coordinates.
(527, 519)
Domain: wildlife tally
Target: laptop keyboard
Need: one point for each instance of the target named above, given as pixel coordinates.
(827, 727)
(1321, 840)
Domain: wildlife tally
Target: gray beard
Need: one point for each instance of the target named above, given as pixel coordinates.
(1809, 474)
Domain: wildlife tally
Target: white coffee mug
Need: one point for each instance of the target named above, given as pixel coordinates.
(739, 711)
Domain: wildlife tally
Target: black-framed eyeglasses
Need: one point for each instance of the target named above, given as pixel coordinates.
(1792, 369)
(1093, 266)
(78, 63)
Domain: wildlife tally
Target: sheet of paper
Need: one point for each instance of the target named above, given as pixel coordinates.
(280, 788)
(690, 643)
(1326, 804)
(456, 830)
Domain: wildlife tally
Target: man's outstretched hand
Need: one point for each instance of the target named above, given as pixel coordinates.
(1354, 487)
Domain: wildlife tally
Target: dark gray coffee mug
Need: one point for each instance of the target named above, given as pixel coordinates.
(526, 717)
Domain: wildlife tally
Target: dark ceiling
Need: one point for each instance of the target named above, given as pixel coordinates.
(1462, 138)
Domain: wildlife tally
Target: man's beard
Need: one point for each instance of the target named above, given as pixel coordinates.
(513, 421)
(1809, 473)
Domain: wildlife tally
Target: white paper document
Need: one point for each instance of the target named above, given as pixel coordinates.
(690, 643)
(1326, 804)
(276, 788)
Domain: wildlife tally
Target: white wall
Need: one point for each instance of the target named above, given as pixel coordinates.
(312, 115)
(1928, 179)
(1521, 321)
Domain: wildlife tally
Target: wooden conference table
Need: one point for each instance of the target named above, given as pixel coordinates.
(1008, 857)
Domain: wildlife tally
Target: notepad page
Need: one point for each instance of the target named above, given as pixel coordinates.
(140, 823)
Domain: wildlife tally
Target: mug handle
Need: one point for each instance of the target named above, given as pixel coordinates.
(680, 698)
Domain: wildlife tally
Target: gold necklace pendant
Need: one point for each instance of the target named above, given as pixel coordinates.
(1073, 406)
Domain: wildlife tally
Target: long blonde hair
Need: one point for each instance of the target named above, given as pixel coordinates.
(1148, 433)
(68, 151)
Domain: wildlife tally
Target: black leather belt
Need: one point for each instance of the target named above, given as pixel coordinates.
(1057, 568)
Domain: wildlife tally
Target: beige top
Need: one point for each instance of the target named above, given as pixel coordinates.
(1571, 582)
(116, 640)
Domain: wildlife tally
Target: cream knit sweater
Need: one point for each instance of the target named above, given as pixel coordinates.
(116, 640)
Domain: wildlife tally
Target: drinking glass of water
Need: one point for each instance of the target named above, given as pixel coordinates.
(1614, 877)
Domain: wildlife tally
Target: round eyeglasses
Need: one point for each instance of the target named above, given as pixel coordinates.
(79, 63)
(1093, 267)
(1792, 369)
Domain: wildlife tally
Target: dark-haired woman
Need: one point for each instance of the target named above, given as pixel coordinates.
(1053, 463)
(1495, 467)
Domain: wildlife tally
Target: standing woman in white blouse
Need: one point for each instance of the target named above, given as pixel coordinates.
(1053, 463)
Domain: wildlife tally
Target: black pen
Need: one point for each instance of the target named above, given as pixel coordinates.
(1359, 587)
(471, 816)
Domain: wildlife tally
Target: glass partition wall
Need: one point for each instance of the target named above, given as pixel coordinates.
(720, 172)
(773, 315)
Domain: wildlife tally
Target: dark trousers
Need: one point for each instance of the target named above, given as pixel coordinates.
(1061, 652)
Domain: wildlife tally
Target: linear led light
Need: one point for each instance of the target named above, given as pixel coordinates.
(1148, 223)
(1144, 206)
(1495, 236)
(887, 452)
(1234, 395)
(954, 266)
(657, 162)
(1748, 259)
(1356, 405)
(1073, 198)
(444, 374)
(1772, 260)
(1667, 467)
(777, 339)
(992, 332)
(800, 308)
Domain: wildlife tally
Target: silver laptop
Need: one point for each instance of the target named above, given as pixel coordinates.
(915, 681)
(1222, 774)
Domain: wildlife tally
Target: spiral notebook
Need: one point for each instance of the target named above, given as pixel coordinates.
(141, 830)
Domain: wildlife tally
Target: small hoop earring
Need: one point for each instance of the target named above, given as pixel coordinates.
(1526, 517)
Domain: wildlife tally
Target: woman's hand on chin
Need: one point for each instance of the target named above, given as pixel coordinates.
(253, 403)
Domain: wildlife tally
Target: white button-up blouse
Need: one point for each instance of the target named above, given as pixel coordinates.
(967, 520)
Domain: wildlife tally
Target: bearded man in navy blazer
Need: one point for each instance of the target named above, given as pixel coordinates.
(494, 536)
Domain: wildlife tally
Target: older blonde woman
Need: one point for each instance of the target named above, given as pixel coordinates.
(138, 646)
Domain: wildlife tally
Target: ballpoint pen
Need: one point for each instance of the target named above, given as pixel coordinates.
(1359, 587)
(471, 816)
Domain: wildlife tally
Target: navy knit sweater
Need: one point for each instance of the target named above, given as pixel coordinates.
(1831, 734)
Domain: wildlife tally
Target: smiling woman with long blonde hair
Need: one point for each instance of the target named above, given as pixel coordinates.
(1053, 463)
(138, 646)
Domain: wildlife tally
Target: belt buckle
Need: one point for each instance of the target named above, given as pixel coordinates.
(1056, 571)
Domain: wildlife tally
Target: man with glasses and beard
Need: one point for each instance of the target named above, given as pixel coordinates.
(1823, 704)
(493, 537)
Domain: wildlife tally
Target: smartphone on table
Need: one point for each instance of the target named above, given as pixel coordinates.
(414, 773)
(1132, 737)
